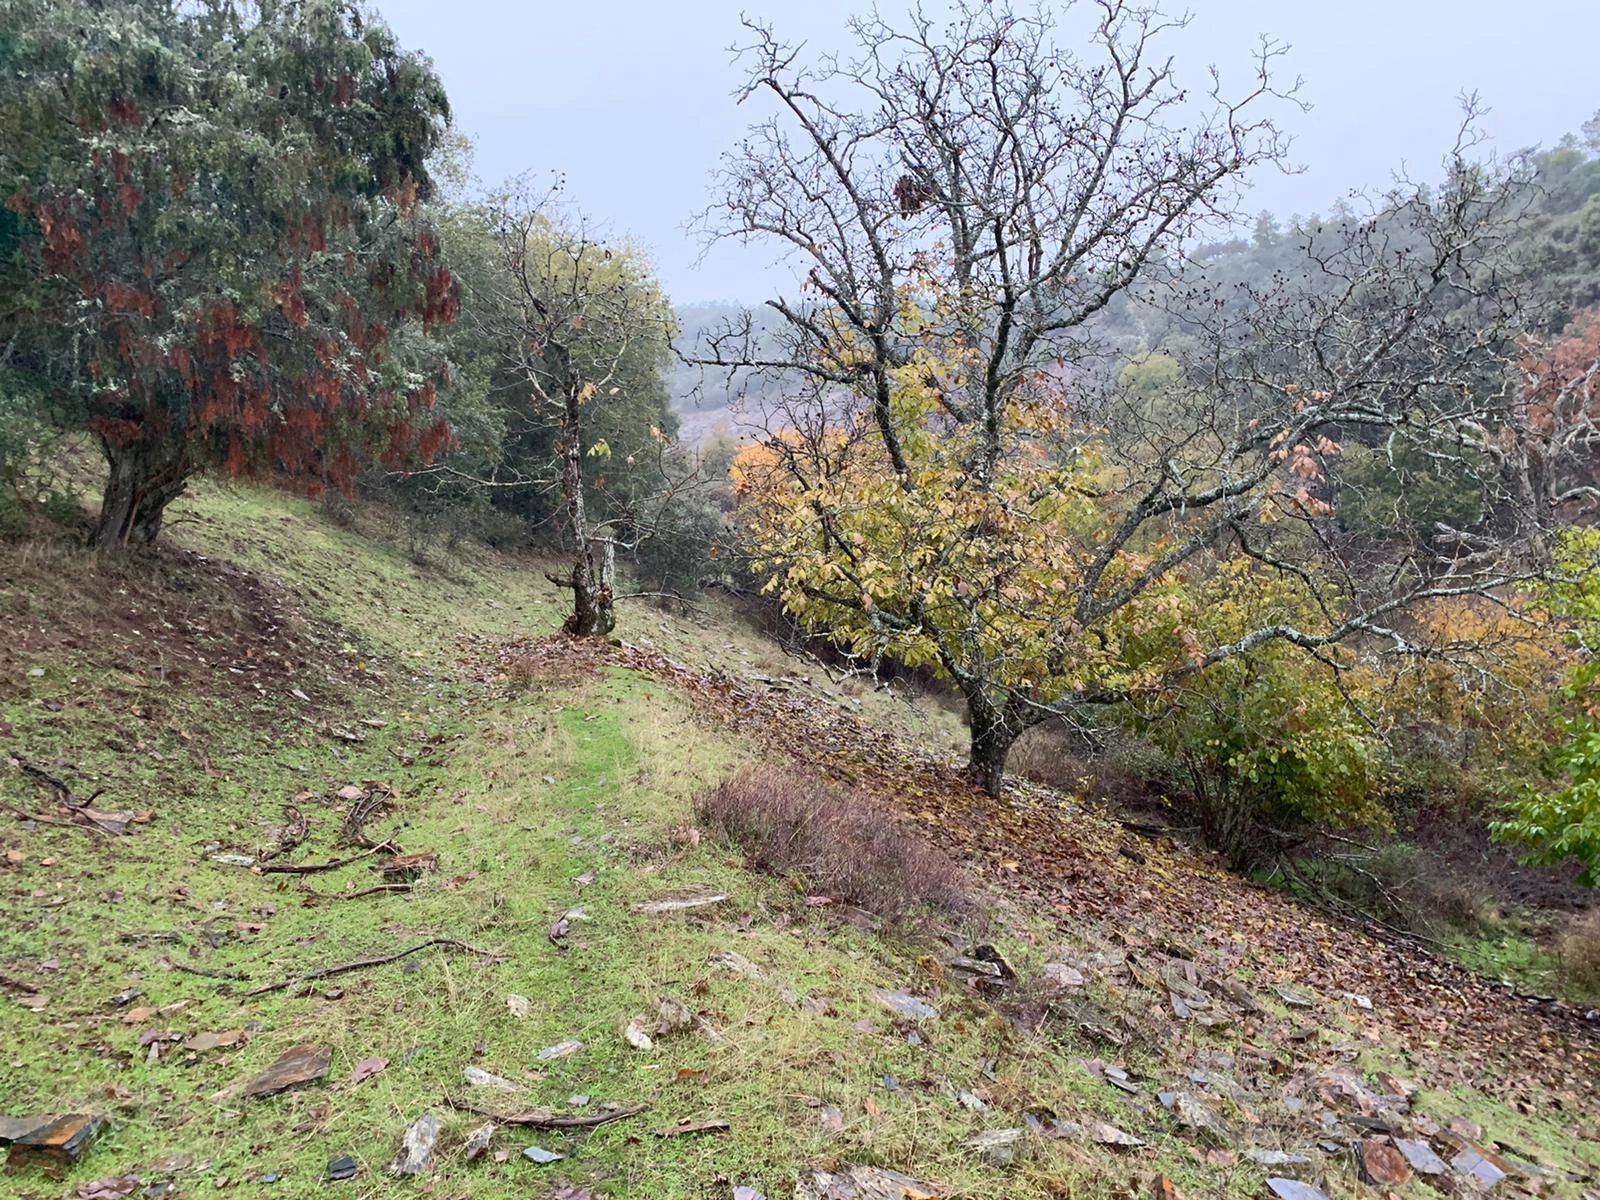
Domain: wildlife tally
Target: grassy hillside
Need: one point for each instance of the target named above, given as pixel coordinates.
(270, 675)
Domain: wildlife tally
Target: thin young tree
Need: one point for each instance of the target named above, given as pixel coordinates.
(575, 322)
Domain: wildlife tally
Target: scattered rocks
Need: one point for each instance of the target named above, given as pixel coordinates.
(636, 1037)
(538, 1154)
(342, 1167)
(416, 1147)
(519, 1006)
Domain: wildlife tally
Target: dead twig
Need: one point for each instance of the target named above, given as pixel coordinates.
(315, 897)
(44, 820)
(313, 868)
(539, 1118)
(352, 833)
(184, 968)
(64, 794)
(362, 963)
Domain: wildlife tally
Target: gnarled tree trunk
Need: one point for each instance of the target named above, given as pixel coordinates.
(994, 728)
(594, 565)
(593, 590)
(144, 477)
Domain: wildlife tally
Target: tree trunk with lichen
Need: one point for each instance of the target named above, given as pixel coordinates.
(144, 477)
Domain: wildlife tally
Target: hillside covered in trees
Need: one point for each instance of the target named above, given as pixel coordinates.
(1082, 691)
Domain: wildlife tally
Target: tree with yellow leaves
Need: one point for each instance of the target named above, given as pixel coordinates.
(956, 478)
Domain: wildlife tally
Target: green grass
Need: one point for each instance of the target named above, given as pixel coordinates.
(171, 684)
(215, 756)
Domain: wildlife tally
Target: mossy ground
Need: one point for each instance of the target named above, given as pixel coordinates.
(520, 790)
(272, 656)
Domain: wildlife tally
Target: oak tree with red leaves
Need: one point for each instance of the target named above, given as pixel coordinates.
(217, 215)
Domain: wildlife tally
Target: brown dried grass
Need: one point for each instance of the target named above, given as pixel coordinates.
(832, 843)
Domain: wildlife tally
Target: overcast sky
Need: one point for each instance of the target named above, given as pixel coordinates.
(631, 99)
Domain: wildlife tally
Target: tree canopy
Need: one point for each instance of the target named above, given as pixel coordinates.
(216, 210)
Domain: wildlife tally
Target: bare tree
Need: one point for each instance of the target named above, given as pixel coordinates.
(566, 311)
(966, 202)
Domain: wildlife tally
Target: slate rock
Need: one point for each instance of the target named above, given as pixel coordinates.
(478, 1141)
(294, 1067)
(53, 1148)
(906, 1005)
(1061, 977)
(538, 1154)
(1420, 1157)
(416, 1147)
(343, 1167)
(12, 1128)
(1381, 1163)
(998, 1147)
(1482, 1167)
(478, 1077)
(1293, 1189)
(562, 1049)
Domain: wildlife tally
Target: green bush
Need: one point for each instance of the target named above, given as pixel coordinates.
(1267, 745)
(1551, 824)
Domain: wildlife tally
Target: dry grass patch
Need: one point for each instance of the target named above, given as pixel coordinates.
(834, 844)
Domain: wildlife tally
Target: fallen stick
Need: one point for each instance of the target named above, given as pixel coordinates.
(44, 820)
(315, 897)
(360, 963)
(538, 1118)
(228, 976)
(313, 868)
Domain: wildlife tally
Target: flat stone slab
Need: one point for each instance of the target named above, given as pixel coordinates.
(669, 904)
(905, 1004)
(416, 1148)
(295, 1066)
(54, 1147)
(12, 1128)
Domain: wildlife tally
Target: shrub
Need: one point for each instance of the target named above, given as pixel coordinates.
(1578, 948)
(831, 844)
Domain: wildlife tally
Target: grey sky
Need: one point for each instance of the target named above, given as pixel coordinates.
(630, 99)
